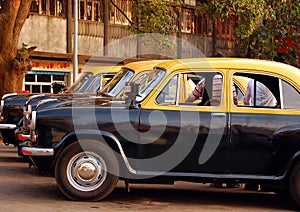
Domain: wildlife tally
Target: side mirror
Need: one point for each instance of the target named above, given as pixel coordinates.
(131, 90)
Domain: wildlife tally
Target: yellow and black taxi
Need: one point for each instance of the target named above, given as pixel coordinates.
(165, 130)
(11, 109)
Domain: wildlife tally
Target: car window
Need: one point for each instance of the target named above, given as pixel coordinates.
(193, 88)
(99, 82)
(81, 83)
(153, 78)
(260, 90)
(290, 96)
(168, 94)
(117, 83)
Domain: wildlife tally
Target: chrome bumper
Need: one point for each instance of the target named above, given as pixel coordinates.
(35, 151)
(8, 126)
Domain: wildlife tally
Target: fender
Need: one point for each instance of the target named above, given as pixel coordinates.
(90, 133)
(291, 134)
(287, 131)
(290, 164)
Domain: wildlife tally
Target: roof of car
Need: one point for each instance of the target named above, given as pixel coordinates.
(104, 69)
(143, 65)
(233, 63)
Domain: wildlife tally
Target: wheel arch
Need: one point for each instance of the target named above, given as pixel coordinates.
(293, 161)
(100, 136)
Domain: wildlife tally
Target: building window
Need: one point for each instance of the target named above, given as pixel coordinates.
(187, 24)
(91, 10)
(40, 81)
(49, 7)
(116, 17)
(34, 7)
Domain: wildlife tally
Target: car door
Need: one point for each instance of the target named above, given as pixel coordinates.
(261, 141)
(184, 137)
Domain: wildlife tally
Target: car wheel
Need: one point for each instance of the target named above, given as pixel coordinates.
(86, 170)
(294, 185)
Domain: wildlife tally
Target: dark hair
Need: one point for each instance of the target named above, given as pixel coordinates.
(219, 54)
(57, 87)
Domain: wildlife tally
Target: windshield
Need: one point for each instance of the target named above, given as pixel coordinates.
(81, 84)
(114, 87)
(99, 82)
(148, 82)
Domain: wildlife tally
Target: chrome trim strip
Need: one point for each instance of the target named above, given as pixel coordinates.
(8, 126)
(34, 151)
(33, 120)
(8, 94)
(212, 176)
(125, 158)
(34, 96)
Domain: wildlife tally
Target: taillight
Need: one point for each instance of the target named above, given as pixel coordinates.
(22, 137)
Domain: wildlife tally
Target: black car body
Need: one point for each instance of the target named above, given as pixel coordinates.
(11, 109)
(157, 136)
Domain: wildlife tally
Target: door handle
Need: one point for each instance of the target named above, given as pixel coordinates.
(218, 115)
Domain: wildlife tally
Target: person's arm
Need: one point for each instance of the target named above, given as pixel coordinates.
(235, 100)
(197, 92)
(247, 95)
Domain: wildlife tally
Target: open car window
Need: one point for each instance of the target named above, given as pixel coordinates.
(193, 88)
(261, 91)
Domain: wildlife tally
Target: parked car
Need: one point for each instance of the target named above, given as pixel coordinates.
(138, 71)
(155, 136)
(11, 109)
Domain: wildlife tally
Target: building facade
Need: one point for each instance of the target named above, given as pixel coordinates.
(50, 27)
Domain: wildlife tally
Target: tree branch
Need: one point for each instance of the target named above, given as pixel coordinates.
(8, 16)
(122, 12)
(21, 18)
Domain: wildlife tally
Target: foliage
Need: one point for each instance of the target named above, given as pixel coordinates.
(154, 16)
(248, 13)
(281, 32)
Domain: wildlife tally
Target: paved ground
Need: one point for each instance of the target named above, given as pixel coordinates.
(23, 189)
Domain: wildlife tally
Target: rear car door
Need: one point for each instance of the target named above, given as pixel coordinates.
(261, 135)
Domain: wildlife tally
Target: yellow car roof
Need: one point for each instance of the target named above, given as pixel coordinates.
(143, 65)
(232, 63)
(104, 69)
(266, 66)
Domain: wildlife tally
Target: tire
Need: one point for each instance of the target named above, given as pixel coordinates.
(93, 184)
(294, 185)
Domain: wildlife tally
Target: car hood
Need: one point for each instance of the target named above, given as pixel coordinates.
(91, 102)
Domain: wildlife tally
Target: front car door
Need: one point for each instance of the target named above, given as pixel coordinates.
(182, 137)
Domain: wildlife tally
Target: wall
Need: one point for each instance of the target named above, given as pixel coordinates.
(48, 33)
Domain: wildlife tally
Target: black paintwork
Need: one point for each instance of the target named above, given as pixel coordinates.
(13, 105)
(248, 148)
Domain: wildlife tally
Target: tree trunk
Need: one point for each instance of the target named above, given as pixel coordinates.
(12, 18)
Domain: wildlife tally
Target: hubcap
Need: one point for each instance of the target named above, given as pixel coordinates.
(86, 171)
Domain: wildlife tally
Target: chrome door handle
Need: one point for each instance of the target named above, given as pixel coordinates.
(218, 115)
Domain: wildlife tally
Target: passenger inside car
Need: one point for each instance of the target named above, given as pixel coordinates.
(257, 94)
(216, 85)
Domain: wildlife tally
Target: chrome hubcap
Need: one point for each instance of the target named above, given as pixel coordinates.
(86, 171)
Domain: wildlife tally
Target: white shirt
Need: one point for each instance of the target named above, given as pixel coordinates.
(264, 96)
